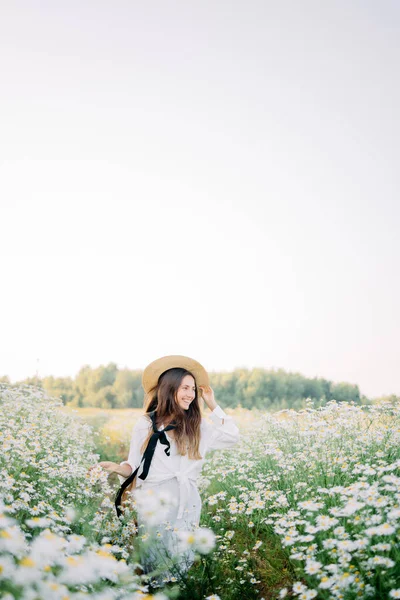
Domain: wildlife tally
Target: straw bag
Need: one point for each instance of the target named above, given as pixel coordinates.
(126, 488)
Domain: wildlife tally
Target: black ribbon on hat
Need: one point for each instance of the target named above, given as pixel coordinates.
(147, 457)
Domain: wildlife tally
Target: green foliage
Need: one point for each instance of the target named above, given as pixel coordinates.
(265, 389)
(59, 387)
(46, 452)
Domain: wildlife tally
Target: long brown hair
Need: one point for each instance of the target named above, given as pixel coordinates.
(162, 399)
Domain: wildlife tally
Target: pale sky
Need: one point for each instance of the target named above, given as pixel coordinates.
(215, 179)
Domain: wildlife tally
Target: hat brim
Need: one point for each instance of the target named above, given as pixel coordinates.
(153, 371)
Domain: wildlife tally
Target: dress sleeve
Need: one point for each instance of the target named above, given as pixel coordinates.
(139, 434)
(223, 433)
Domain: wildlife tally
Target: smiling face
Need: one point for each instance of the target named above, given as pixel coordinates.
(186, 392)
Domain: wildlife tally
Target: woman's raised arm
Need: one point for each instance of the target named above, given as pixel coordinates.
(224, 432)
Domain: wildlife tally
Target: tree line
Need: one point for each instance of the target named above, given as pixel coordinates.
(269, 389)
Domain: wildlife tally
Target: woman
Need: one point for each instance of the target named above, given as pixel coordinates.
(172, 386)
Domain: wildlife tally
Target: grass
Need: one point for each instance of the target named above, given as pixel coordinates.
(309, 502)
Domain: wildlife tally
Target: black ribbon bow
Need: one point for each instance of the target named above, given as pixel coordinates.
(147, 457)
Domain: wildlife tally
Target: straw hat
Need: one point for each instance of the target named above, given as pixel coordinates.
(153, 371)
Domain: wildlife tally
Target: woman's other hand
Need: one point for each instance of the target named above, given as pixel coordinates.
(208, 395)
(110, 467)
(107, 465)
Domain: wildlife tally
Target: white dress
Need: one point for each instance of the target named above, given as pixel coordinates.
(176, 475)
